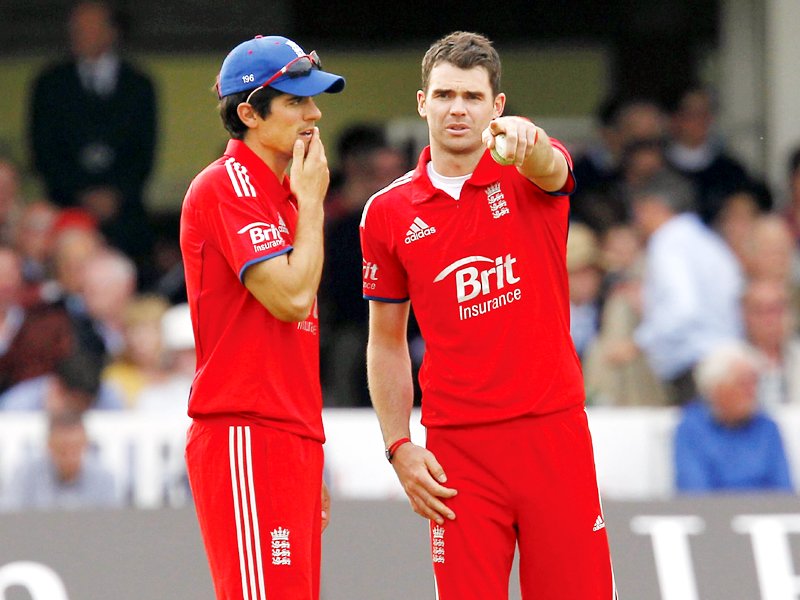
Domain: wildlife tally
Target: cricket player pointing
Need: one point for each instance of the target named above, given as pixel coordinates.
(479, 251)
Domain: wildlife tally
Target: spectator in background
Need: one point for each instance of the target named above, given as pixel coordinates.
(32, 339)
(164, 275)
(12, 313)
(93, 129)
(792, 204)
(140, 363)
(615, 371)
(724, 442)
(74, 385)
(737, 217)
(598, 164)
(57, 325)
(771, 252)
(692, 284)
(109, 283)
(635, 140)
(770, 325)
(171, 393)
(10, 201)
(368, 164)
(69, 476)
(75, 239)
(33, 239)
(697, 153)
(585, 279)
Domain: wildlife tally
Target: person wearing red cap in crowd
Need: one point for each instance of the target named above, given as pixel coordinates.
(251, 239)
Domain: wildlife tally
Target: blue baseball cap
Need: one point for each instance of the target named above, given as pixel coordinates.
(277, 62)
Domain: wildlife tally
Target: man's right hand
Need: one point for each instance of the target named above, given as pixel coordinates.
(421, 476)
(309, 173)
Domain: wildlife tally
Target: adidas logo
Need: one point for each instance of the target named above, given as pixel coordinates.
(598, 524)
(418, 230)
(282, 225)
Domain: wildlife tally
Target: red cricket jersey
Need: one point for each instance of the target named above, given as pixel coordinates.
(487, 280)
(236, 213)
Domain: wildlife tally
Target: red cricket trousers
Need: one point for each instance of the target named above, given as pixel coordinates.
(529, 482)
(257, 493)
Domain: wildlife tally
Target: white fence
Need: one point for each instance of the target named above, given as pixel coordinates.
(633, 452)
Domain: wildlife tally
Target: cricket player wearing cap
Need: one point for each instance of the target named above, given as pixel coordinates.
(479, 249)
(251, 239)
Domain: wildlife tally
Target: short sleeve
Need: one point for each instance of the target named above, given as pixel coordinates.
(247, 230)
(384, 278)
(570, 184)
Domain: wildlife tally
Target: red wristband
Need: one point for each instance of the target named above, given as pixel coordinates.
(394, 446)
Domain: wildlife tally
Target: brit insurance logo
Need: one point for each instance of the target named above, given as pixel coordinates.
(497, 200)
(481, 289)
(369, 274)
(418, 230)
(264, 236)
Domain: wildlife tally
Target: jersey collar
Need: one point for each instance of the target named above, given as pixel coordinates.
(259, 169)
(486, 172)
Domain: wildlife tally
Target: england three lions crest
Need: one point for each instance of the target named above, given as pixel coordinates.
(497, 200)
(281, 549)
(437, 544)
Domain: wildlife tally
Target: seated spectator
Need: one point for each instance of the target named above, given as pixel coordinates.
(32, 339)
(614, 371)
(791, 211)
(621, 251)
(738, 214)
(33, 239)
(770, 327)
(596, 167)
(368, 164)
(10, 200)
(692, 283)
(635, 149)
(109, 283)
(724, 442)
(74, 385)
(68, 477)
(771, 252)
(171, 394)
(75, 240)
(12, 313)
(585, 279)
(164, 275)
(140, 363)
(696, 152)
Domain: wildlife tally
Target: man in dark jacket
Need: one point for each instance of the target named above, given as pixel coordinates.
(93, 129)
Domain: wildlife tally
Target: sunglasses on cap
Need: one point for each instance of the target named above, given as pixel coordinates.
(297, 67)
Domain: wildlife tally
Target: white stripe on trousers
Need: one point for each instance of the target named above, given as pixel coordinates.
(245, 513)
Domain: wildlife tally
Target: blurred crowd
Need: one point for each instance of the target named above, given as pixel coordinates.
(683, 266)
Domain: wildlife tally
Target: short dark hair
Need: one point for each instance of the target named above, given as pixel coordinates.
(80, 372)
(261, 102)
(670, 188)
(360, 138)
(464, 50)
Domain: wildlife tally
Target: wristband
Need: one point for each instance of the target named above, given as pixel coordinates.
(394, 446)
